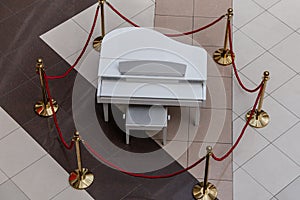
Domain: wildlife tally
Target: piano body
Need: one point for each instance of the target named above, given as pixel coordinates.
(142, 67)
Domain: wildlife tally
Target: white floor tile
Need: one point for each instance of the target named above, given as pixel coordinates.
(3, 177)
(245, 12)
(73, 194)
(17, 151)
(66, 39)
(280, 119)
(246, 188)
(46, 178)
(251, 143)
(267, 62)
(130, 8)
(288, 95)
(143, 19)
(7, 124)
(288, 51)
(288, 12)
(245, 49)
(86, 17)
(273, 30)
(266, 3)
(289, 143)
(234, 116)
(234, 165)
(272, 169)
(291, 191)
(9, 191)
(88, 64)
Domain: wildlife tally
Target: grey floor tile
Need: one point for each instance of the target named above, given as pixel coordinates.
(290, 191)
(9, 191)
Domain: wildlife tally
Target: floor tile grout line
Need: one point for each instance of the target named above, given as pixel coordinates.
(270, 52)
(284, 106)
(10, 180)
(287, 186)
(273, 4)
(34, 162)
(140, 12)
(60, 192)
(252, 19)
(281, 40)
(281, 21)
(133, 190)
(10, 132)
(287, 155)
(12, 90)
(241, 168)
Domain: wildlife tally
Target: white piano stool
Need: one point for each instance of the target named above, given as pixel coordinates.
(146, 118)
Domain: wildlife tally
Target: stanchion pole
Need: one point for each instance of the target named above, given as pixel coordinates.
(260, 118)
(81, 178)
(205, 190)
(43, 107)
(223, 56)
(97, 42)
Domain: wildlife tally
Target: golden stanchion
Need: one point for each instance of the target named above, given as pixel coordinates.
(81, 178)
(98, 41)
(260, 118)
(43, 107)
(205, 190)
(223, 56)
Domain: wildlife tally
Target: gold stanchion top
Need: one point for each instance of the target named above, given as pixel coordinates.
(266, 75)
(76, 136)
(230, 12)
(101, 1)
(209, 149)
(39, 63)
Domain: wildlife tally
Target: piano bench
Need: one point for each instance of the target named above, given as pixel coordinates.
(146, 117)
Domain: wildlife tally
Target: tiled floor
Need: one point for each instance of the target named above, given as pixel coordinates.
(266, 161)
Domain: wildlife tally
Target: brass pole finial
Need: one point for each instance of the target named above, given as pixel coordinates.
(230, 12)
(209, 150)
(260, 118)
(43, 107)
(266, 75)
(81, 178)
(205, 190)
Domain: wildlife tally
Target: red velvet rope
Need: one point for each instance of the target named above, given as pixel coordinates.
(197, 30)
(243, 130)
(121, 15)
(140, 175)
(169, 35)
(54, 116)
(234, 66)
(82, 51)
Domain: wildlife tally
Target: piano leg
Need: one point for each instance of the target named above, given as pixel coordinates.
(105, 112)
(164, 135)
(127, 135)
(197, 116)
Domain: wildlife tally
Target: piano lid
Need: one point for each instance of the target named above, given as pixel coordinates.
(142, 44)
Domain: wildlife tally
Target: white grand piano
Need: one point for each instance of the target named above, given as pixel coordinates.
(141, 67)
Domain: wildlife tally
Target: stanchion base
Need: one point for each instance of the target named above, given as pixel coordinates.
(45, 111)
(210, 194)
(82, 180)
(259, 119)
(223, 57)
(97, 43)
